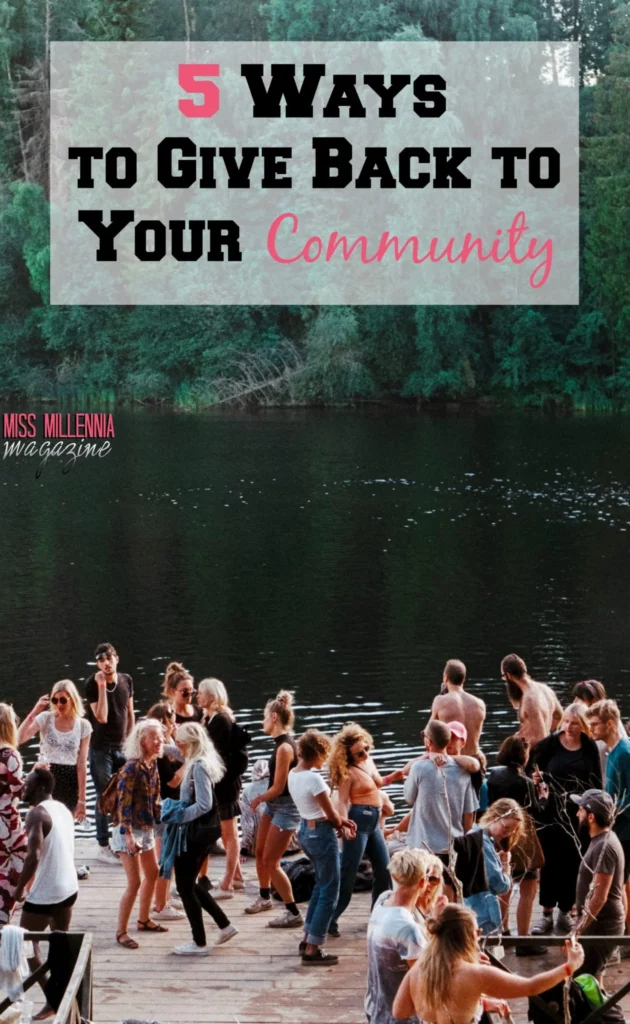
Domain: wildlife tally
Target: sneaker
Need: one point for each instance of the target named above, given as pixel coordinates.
(238, 883)
(83, 872)
(225, 934)
(286, 920)
(174, 901)
(333, 930)
(564, 923)
(258, 905)
(544, 926)
(168, 913)
(222, 894)
(191, 949)
(535, 949)
(106, 855)
(319, 959)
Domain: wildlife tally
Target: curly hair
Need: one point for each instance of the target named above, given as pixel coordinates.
(339, 759)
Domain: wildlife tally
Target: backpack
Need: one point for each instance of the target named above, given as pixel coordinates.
(238, 757)
(580, 1007)
(108, 800)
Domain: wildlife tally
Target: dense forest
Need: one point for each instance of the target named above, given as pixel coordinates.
(576, 356)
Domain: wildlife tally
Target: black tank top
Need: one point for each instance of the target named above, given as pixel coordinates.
(279, 740)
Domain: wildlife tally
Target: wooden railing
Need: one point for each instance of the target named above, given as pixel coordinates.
(77, 999)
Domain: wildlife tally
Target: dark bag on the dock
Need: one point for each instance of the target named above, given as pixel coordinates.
(579, 1005)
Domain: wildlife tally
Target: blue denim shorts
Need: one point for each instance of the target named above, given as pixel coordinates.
(144, 837)
(283, 813)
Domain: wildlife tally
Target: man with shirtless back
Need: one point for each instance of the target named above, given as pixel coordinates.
(455, 705)
(539, 710)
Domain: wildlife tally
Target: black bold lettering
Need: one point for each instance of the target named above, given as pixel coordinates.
(143, 229)
(375, 166)
(447, 167)
(177, 228)
(408, 154)
(344, 94)
(431, 102)
(130, 164)
(299, 102)
(509, 155)
(387, 93)
(207, 155)
(326, 161)
(186, 167)
(106, 233)
(224, 234)
(238, 174)
(553, 167)
(275, 163)
(85, 155)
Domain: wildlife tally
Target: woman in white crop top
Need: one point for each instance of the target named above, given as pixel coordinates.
(319, 828)
(64, 737)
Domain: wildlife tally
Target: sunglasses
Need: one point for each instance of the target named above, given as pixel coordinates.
(186, 693)
(434, 879)
(105, 657)
(59, 700)
(361, 753)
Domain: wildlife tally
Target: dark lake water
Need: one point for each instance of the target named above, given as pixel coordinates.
(343, 554)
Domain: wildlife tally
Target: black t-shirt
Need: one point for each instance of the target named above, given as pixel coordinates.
(278, 741)
(112, 733)
(167, 769)
(195, 717)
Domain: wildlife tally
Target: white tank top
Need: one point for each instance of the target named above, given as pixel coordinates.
(56, 876)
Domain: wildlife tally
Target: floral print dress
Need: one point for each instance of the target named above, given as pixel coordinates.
(12, 835)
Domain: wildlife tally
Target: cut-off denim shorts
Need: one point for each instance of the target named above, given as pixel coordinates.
(283, 813)
(144, 837)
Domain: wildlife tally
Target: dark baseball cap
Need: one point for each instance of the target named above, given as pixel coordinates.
(595, 801)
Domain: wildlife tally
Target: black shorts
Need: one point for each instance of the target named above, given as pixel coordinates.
(50, 909)
(228, 810)
(625, 843)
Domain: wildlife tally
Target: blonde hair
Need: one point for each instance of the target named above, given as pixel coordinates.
(282, 706)
(339, 760)
(216, 689)
(133, 745)
(199, 747)
(68, 687)
(453, 937)
(505, 807)
(580, 711)
(8, 726)
(436, 866)
(173, 675)
(606, 710)
(409, 867)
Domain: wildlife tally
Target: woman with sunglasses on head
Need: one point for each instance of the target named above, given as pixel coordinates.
(353, 774)
(64, 738)
(280, 817)
(178, 689)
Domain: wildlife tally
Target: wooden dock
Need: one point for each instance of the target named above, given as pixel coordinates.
(256, 978)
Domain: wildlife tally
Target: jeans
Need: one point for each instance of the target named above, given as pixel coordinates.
(369, 842)
(193, 896)
(321, 846)
(103, 764)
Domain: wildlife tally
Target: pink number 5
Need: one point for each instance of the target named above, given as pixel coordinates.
(190, 81)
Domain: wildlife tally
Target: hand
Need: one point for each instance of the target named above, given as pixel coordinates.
(397, 776)
(79, 812)
(440, 903)
(347, 829)
(484, 958)
(505, 857)
(575, 954)
(439, 760)
(131, 844)
(499, 1006)
(100, 679)
(256, 802)
(41, 705)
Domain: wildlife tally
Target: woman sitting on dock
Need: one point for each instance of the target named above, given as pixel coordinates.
(450, 985)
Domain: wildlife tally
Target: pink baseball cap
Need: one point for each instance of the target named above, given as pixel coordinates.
(458, 729)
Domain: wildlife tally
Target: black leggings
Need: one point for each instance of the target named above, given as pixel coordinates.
(193, 896)
(558, 876)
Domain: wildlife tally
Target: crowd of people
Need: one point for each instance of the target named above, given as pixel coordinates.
(553, 818)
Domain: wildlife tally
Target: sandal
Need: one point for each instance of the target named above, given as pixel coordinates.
(150, 926)
(128, 943)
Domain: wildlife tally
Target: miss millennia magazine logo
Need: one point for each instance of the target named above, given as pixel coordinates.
(66, 437)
